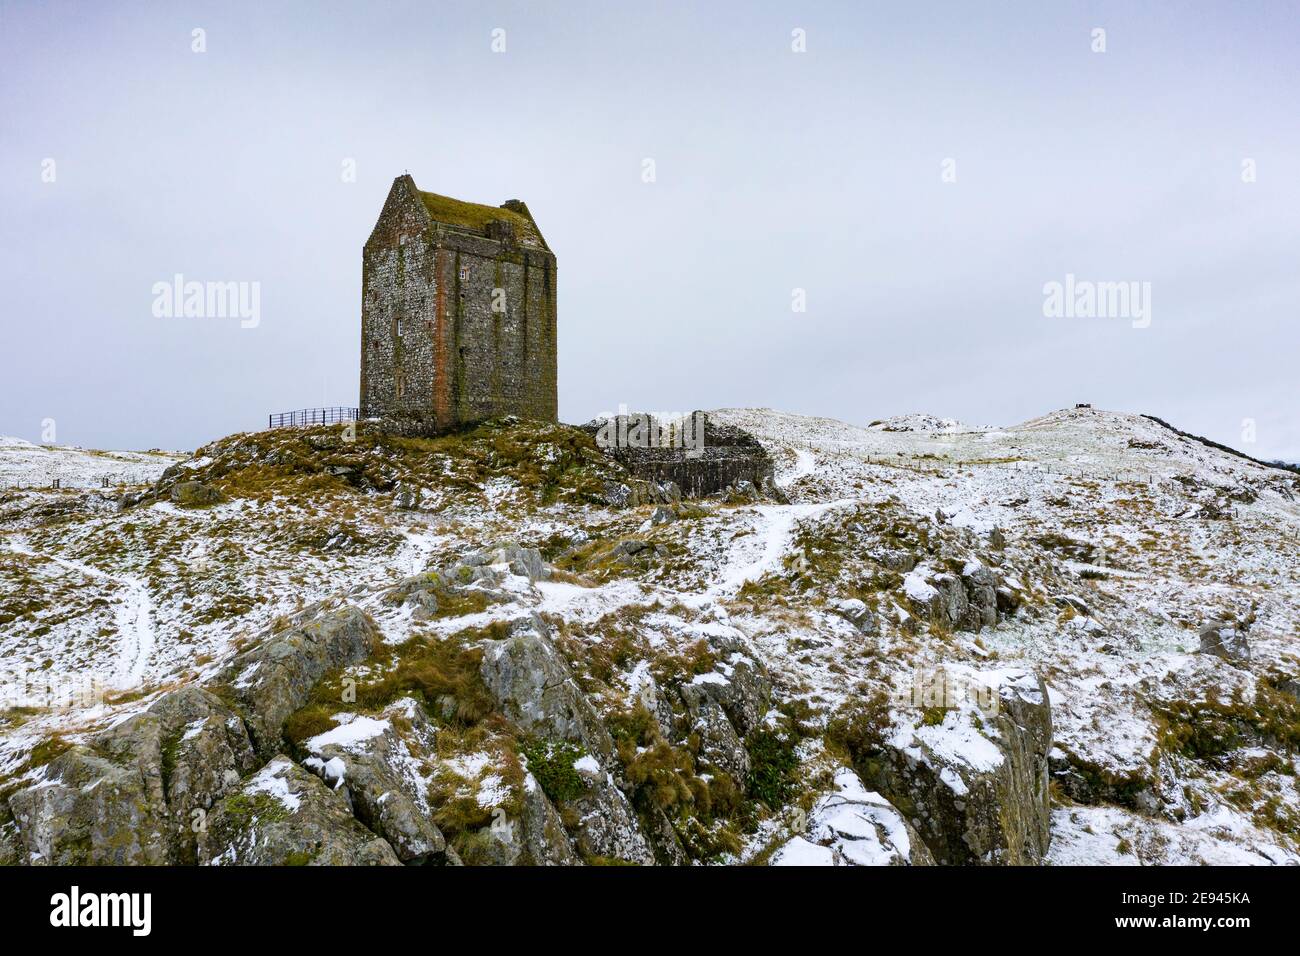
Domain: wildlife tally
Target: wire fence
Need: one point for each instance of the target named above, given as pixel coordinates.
(110, 482)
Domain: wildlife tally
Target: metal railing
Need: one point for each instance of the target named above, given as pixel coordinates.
(311, 416)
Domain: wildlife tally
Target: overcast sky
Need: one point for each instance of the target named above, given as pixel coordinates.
(775, 170)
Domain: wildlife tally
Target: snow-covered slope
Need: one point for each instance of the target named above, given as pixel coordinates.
(1114, 540)
(38, 466)
(1158, 535)
(918, 423)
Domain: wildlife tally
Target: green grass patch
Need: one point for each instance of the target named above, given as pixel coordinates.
(551, 762)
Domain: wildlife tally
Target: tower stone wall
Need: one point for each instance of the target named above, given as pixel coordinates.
(458, 313)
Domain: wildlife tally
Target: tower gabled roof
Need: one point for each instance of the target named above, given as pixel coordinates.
(405, 200)
(474, 217)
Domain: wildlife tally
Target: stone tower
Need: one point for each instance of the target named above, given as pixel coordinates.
(457, 313)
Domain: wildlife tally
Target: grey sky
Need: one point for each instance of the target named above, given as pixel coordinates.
(775, 171)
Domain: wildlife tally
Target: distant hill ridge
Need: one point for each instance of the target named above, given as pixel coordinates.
(1209, 443)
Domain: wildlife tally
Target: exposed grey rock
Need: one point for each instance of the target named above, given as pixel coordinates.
(194, 494)
(981, 595)
(636, 553)
(524, 561)
(967, 602)
(859, 828)
(1137, 785)
(651, 696)
(535, 688)
(741, 686)
(769, 489)
(419, 591)
(537, 838)
(859, 615)
(981, 802)
(1225, 640)
(136, 794)
(9, 855)
(662, 515)
(662, 838)
(720, 745)
(952, 602)
(606, 824)
(380, 776)
(637, 492)
(618, 495)
(283, 815)
(895, 559)
(742, 492)
(274, 679)
(205, 751)
(89, 811)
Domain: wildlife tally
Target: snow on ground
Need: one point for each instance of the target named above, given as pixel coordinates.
(1151, 535)
(23, 463)
(1111, 836)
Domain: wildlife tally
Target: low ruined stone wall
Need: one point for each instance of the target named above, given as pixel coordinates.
(701, 457)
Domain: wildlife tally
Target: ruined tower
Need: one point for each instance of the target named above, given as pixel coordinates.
(457, 313)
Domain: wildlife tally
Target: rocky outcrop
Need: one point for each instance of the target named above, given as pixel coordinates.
(91, 811)
(144, 790)
(852, 826)
(606, 825)
(535, 688)
(138, 792)
(740, 685)
(859, 615)
(720, 744)
(477, 577)
(274, 679)
(968, 601)
(977, 792)
(283, 815)
(375, 764)
(205, 751)
(207, 775)
(1136, 785)
(537, 838)
(636, 492)
(1226, 640)
(981, 587)
(9, 855)
(194, 494)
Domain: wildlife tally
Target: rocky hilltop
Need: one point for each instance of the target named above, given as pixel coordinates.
(1071, 641)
